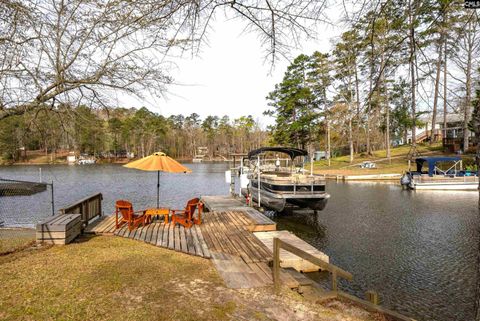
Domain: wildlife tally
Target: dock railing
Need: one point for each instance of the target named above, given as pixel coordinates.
(89, 208)
(373, 301)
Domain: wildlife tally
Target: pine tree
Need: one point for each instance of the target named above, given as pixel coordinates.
(294, 105)
(346, 73)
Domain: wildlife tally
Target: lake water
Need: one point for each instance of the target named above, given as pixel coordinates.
(418, 250)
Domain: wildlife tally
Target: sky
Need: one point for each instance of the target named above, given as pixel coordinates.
(230, 76)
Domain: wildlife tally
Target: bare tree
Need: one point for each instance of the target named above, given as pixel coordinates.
(469, 48)
(76, 52)
(413, 71)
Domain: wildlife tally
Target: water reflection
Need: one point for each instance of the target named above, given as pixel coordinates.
(417, 249)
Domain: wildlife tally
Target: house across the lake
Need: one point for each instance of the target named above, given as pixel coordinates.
(453, 140)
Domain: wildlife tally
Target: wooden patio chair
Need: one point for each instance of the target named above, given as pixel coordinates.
(186, 217)
(128, 215)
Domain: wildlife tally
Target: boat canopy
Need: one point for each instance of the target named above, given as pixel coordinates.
(431, 161)
(292, 152)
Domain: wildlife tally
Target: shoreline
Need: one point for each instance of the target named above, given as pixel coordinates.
(389, 177)
(182, 160)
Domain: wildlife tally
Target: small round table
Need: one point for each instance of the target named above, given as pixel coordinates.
(149, 213)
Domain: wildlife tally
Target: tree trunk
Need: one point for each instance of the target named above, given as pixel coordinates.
(435, 97)
(357, 97)
(412, 48)
(476, 120)
(385, 101)
(468, 87)
(350, 137)
(444, 134)
(369, 107)
(328, 140)
(387, 129)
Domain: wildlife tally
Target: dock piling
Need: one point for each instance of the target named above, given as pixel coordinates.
(372, 296)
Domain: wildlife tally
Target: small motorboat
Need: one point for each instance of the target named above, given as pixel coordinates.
(453, 177)
(88, 161)
(274, 186)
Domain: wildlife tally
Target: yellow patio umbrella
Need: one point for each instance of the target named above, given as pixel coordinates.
(158, 162)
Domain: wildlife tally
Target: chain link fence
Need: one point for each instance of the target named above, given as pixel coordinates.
(22, 205)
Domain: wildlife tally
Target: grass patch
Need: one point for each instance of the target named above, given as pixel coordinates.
(396, 165)
(112, 278)
(12, 240)
(102, 279)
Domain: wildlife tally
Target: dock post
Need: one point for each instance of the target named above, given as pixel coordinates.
(53, 201)
(334, 280)
(259, 183)
(276, 265)
(372, 296)
(232, 181)
(311, 166)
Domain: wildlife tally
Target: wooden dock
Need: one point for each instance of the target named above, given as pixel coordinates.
(228, 203)
(178, 238)
(228, 236)
(242, 257)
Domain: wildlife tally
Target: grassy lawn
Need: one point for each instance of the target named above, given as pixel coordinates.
(397, 164)
(110, 278)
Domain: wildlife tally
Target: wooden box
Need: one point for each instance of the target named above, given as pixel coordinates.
(59, 229)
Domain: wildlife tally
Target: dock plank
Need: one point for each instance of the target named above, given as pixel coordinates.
(203, 243)
(94, 227)
(228, 203)
(259, 251)
(171, 237)
(210, 236)
(235, 234)
(196, 242)
(183, 239)
(165, 235)
(235, 272)
(148, 232)
(176, 236)
(159, 239)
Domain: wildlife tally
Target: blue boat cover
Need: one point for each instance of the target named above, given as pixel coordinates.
(431, 161)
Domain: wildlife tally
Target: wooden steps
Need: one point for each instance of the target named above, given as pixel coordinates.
(238, 274)
(288, 259)
(104, 225)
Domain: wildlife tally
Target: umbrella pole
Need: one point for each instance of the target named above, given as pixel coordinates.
(158, 188)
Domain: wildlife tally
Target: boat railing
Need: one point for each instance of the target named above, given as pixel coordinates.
(453, 167)
(446, 179)
(294, 181)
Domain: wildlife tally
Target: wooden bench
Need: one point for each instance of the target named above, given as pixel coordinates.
(59, 229)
